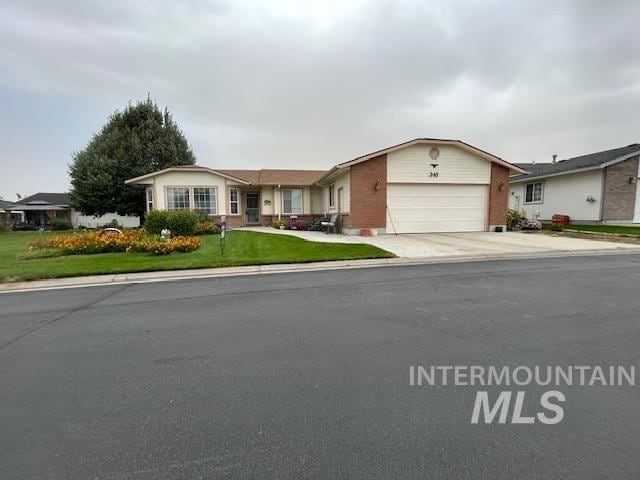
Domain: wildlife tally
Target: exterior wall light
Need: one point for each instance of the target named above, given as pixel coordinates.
(377, 185)
(632, 180)
(501, 186)
(590, 199)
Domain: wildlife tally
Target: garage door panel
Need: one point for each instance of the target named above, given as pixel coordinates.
(436, 208)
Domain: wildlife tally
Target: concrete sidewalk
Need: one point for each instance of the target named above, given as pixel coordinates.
(173, 275)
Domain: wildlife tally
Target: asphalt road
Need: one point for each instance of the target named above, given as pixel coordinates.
(306, 375)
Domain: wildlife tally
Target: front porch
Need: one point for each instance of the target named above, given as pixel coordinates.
(260, 206)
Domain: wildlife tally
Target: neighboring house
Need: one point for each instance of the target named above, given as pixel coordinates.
(424, 185)
(39, 209)
(7, 217)
(599, 187)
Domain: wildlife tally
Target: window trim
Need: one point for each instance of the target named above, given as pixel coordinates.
(533, 201)
(166, 197)
(332, 195)
(237, 201)
(149, 200)
(301, 200)
(214, 203)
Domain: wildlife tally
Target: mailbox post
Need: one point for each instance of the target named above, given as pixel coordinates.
(223, 232)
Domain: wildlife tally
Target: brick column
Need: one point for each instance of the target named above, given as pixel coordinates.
(368, 195)
(498, 199)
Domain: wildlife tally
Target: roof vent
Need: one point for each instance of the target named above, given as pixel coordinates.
(555, 157)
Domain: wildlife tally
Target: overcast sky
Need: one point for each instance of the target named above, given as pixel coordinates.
(295, 84)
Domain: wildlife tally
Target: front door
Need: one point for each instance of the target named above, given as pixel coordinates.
(252, 208)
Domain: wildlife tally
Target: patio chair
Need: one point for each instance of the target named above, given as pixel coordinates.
(316, 226)
(332, 223)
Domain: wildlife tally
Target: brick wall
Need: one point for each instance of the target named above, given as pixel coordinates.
(267, 220)
(498, 200)
(368, 205)
(619, 194)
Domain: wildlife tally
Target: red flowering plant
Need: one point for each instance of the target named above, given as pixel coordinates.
(295, 225)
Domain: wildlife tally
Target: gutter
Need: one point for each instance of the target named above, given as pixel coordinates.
(602, 166)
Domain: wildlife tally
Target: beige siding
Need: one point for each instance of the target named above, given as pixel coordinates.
(413, 165)
(277, 201)
(267, 195)
(344, 182)
(189, 179)
(306, 201)
(564, 194)
(317, 200)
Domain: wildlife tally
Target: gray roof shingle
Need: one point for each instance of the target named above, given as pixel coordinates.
(576, 163)
(61, 199)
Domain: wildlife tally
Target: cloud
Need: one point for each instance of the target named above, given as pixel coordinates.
(309, 84)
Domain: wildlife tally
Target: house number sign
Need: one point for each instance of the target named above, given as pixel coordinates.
(434, 153)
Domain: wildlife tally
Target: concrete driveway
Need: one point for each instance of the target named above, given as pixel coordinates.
(480, 244)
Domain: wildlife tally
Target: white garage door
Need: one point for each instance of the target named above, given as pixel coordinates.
(429, 208)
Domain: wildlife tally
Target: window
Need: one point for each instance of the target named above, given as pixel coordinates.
(204, 199)
(149, 197)
(533, 193)
(177, 198)
(292, 200)
(332, 195)
(233, 201)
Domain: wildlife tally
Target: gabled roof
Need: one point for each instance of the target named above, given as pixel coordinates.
(277, 177)
(42, 198)
(437, 141)
(185, 168)
(247, 177)
(582, 163)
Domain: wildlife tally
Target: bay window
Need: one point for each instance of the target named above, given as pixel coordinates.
(204, 200)
(178, 198)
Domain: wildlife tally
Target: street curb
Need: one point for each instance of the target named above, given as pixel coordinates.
(174, 275)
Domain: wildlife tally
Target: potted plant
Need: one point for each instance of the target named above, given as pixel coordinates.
(281, 224)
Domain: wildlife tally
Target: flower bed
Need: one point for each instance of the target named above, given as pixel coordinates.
(110, 242)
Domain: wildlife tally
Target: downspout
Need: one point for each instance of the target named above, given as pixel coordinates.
(602, 194)
(279, 203)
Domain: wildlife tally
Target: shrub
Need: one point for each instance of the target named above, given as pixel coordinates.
(515, 219)
(60, 224)
(557, 227)
(110, 242)
(206, 227)
(279, 223)
(179, 222)
(295, 225)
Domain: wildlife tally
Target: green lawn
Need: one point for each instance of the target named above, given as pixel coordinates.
(242, 248)
(627, 230)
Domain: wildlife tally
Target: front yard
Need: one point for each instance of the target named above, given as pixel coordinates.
(242, 248)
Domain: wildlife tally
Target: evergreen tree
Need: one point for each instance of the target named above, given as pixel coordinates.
(138, 140)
